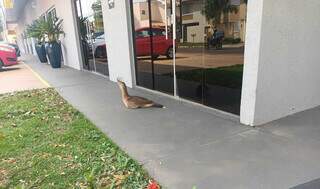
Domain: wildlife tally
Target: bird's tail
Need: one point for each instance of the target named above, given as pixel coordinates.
(155, 105)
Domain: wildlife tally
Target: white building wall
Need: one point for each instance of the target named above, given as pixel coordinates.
(282, 63)
(197, 30)
(65, 11)
(117, 24)
(71, 44)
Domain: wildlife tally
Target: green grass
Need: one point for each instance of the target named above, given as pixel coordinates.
(230, 76)
(46, 143)
(190, 44)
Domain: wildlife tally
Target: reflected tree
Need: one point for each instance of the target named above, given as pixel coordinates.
(215, 9)
(98, 19)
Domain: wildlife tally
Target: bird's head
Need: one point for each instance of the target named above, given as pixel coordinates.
(121, 83)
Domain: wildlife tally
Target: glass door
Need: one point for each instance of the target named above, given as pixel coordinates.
(189, 53)
(154, 44)
(91, 34)
(143, 41)
(162, 45)
(210, 55)
(192, 49)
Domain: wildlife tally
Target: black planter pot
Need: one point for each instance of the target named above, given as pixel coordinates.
(54, 54)
(41, 52)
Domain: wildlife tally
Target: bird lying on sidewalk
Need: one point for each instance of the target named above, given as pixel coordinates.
(135, 102)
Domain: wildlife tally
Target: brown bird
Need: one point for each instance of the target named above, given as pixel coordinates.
(134, 102)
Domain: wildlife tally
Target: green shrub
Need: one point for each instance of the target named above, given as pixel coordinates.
(230, 40)
(236, 40)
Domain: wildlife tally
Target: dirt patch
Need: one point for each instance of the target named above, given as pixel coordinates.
(3, 177)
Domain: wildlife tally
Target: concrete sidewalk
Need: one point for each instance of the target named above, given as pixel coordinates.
(185, 146)
(18, 78)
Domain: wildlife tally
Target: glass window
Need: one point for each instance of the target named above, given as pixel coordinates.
(158, 32)
(91, 35)
(208, 51)
(142, 33)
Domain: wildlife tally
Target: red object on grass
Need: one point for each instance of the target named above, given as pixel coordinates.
(153, 185)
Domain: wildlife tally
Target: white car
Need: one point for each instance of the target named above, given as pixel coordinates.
(99, 47)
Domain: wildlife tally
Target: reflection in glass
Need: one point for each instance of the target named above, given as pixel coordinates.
(189, 61)
(144, 66)
(153, 45)
(162, 46)
(209, 55)
(92, 36)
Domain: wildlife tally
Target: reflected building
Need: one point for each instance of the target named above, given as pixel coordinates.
(193, 21)
(194, 26)
(141, 13)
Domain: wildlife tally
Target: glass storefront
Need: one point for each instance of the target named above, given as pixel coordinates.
(193, 49)
(91, 34)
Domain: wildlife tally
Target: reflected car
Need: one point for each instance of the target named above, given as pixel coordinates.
(99, 46)
(8, 56)
(161, 45)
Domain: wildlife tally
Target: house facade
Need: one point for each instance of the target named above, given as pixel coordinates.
(163, 46)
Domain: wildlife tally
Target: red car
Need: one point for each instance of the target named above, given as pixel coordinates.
(8, 56)
(161, 45)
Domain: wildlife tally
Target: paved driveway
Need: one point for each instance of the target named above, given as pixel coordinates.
(18, 78)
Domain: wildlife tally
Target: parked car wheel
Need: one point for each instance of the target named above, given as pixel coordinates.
(170, 53)
(100, 52)
(1, 64)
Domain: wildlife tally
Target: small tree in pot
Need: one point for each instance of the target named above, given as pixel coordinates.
(34, 30)
(52, 29)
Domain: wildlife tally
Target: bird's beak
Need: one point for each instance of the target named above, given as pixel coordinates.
(119, 79)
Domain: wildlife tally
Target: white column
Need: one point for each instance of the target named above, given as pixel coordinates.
(118, 35)
(251, 61)
(282, 60)
(70, 42)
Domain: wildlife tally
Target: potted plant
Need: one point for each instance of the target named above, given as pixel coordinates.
(52, 29)
(34, 30)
